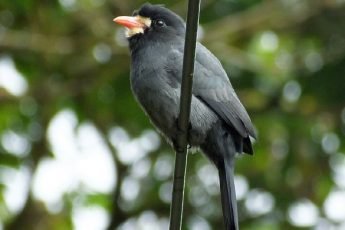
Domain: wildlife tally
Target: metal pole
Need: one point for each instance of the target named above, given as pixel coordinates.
(176, 210)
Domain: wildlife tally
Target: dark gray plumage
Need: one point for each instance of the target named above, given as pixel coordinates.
(220, 125)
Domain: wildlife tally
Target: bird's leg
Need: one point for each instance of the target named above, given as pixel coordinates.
(189, 146)
(178, 134)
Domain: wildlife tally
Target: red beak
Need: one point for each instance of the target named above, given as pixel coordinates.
(129, 22)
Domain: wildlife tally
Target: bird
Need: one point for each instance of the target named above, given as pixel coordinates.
(219, 124)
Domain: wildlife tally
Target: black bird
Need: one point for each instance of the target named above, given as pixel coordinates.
(219, 124)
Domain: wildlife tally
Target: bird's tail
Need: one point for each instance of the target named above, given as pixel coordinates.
(227, 190)
(221, 147)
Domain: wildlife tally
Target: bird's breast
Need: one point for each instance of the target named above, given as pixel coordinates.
(159, 101)
(158, 93)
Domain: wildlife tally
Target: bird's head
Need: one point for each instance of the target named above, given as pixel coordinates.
(152, 22)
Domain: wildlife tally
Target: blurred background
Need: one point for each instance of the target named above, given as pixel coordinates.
(77, 152)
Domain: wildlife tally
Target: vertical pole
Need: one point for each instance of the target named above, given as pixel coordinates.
(176, 210)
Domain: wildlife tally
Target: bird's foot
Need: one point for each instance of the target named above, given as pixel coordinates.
(179, 134)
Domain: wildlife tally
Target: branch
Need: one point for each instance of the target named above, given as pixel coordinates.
(183, 121)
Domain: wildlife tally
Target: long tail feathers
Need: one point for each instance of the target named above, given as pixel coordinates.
(227, 190)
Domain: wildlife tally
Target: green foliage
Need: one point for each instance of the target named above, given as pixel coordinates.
(286, 61)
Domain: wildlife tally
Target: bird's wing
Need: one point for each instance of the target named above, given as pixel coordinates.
(212, 86)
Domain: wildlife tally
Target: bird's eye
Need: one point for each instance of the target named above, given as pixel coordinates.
(160, 23)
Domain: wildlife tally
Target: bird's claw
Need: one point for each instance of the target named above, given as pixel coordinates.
(180, 132)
